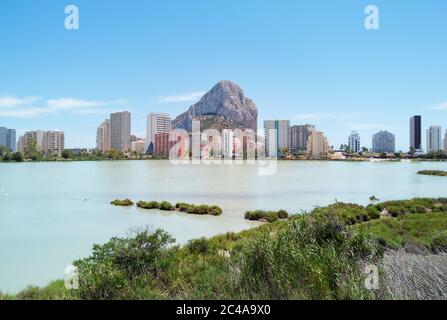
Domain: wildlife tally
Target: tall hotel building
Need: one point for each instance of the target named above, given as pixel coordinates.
(103, 136)
(120, 126)
(196, 140)
(299, 136)
(434, 139)
(354, 142)
(8, 138)
(227, 144)
(277, 137)
(55, 142)
(156, 123)
(445, 142)
(383, 142)
(416, 133)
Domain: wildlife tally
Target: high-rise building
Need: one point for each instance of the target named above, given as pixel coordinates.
(8, 138)
(354, 142)
(227, 144)
(434, 139)
(21, 144)
(103, 136)
(277, 137)
(196, 140)
(163, 144)
(299, 136)
(47, 142)
(156, 123)
(317, 145)
(383, 142)
(445, 142)
(416, 133)
(38, 137)
(55, 142)
(120, 127)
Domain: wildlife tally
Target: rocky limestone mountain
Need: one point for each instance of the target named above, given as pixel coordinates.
(225, 106)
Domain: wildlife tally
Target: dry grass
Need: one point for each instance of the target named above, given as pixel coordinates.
(410, 276)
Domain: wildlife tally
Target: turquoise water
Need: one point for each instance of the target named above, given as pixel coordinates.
(52, 213)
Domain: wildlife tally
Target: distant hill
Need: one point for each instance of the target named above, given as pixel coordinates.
(225, 106)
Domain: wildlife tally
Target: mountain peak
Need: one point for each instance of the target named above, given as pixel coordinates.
(224, 106)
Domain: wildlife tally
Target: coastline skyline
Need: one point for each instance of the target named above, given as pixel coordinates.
(307, 66)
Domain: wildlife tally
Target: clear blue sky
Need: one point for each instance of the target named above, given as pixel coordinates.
(308, 61)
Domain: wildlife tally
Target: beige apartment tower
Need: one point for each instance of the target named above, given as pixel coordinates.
(103, 136)
(317, 145)
(55, 142)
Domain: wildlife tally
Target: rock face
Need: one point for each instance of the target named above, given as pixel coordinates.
(224, 107)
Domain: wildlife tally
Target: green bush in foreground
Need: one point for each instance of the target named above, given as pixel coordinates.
(122, 264)
(54, 291)
(308, 258)
(123, 203)
(439, 242)
(198, 246)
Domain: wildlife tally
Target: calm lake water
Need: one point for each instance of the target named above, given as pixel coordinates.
(52, 213)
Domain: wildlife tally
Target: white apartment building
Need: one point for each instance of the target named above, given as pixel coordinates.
(196, 140)
(354, 142)
(227, 144)
(434, 139)
(156, 123)
(277, 137)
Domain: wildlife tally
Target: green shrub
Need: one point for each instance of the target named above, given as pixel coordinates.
(283, 214)
(123, 203)
(269, 216)
(203, 209)
(148, 205)
(215, 211)
(373, 212)
(183, 207)
(312, 257)
(166, 206)
(198, 246)
(439, 173)
(439, 242)
(54, 291)
(272, 217)
(114, 269)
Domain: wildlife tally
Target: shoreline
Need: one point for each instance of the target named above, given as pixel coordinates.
(244, 161)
